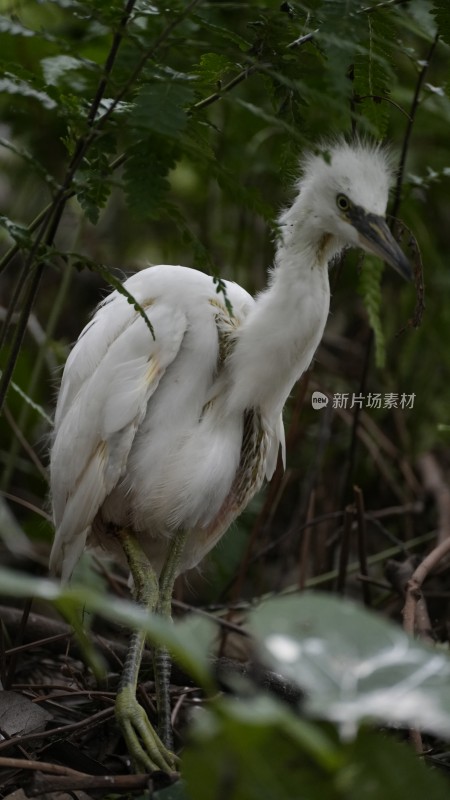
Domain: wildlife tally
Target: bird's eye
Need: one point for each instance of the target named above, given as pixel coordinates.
(342, 202)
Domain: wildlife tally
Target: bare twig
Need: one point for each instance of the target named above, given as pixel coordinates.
(414, 585)
(246, 73)
(415, 613)
(69, 779)
(63, 730)
(435, 483)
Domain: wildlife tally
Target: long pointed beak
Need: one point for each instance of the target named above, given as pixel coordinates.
(375, 237)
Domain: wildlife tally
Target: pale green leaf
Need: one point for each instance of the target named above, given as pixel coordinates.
(55, 68)
(353, 665)
(189, 642)
(11, 84)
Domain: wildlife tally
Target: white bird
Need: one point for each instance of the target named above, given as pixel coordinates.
(161, 442)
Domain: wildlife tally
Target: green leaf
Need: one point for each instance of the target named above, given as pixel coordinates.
(189, 641)
(380, 767)
(175, 792)
(56, 69)
(372, 71)
(212, 68)
(354, 665)
(272, 119)
(95, 177)
(222, 34)
(255, 748)
(14, 28)
(161, 107)
(19, 233)
(11, 84)
(258, 750)
(370, 288)
(441, 12)
(145, 175)
(35, 406)
(339, 35)
(81, 261)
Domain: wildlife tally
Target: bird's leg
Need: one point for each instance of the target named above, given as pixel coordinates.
(161, 657)
(144, 745)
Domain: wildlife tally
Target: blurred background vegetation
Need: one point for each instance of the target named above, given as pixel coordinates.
(140, 133)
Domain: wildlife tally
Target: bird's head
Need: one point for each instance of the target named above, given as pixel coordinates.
(343, 196)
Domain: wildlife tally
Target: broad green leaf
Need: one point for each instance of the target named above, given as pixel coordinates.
(175, 792)
(256, 749)
(189, 641)
(379, 767)
(14, 28)
(259, 750)
(354, 665)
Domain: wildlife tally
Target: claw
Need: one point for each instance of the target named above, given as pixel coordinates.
(144, 745)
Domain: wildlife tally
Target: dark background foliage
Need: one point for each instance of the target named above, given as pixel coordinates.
(138, 133)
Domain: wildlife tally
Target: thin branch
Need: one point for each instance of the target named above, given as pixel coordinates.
(67, 779)
(14, 249)
(142, 62)
(409, 127)
(117, 40)
(246, 73)
(358, 98)
(414, 585)
(434, 482)
(50, 222)
(62, 730)
(242, 76)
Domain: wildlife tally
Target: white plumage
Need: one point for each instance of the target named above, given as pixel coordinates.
(176, 433)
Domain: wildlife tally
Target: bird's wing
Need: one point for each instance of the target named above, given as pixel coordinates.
(111, 374)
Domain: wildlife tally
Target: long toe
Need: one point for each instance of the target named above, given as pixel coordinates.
(146, 749)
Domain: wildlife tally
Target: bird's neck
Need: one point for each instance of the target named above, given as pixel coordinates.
(278, 339)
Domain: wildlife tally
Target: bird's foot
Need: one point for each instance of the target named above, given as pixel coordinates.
(146, 749)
